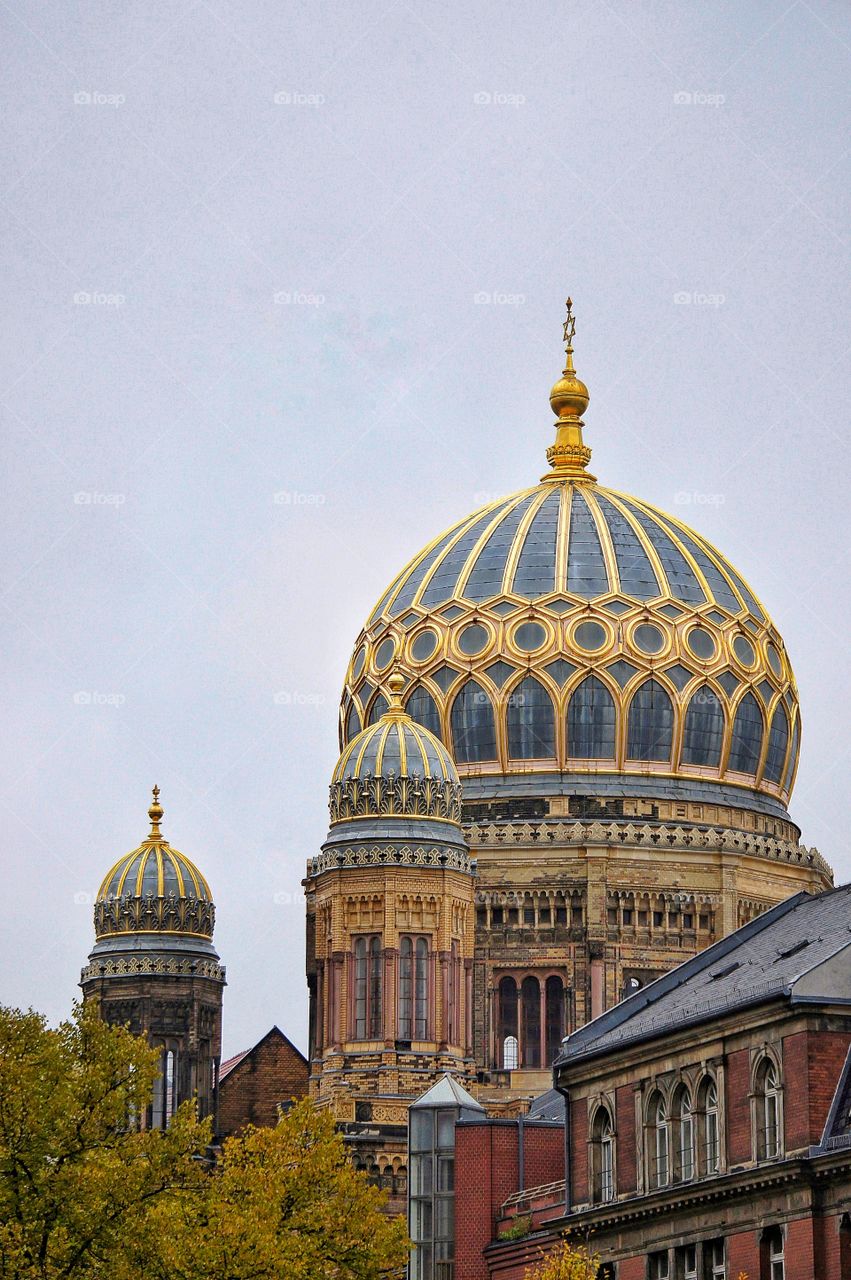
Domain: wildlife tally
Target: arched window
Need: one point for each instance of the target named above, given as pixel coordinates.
(507, 1024)
(530, 1030)
(650, 728)
(422, 708)
(746, 745)
(704, 728)
(367, 994)
(684, 1125)
(554, 1001)
(767, 1105)
(778, 739)
(376, 711)
(710, 1141)
(453, 1020)
(591, 722)
(413, 988)
(531, 722)
(602, 1157)
(659, 1132)
(772, 1260)
(353, 725)
(473, 727)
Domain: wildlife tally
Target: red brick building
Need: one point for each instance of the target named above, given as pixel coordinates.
(254, 1084)
(708, 1122)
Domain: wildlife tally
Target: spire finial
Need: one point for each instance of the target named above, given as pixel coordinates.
(395, 685)
(569, 457)
(155, 813)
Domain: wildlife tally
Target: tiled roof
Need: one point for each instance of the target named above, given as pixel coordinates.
(800, 950)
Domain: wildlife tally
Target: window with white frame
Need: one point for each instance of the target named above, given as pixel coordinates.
(658, 1266)
(710, 1133)
(767, 1106)
(603, 1156)
(684, 1122)
(367, 992)
(772, 1261)
(714, 1263)
(413, 988)
(686, 1262)
(659, 1141)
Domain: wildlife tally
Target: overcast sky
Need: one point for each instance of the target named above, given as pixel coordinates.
(319, 253)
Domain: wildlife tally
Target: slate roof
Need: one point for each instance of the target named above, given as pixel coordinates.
(800, 950)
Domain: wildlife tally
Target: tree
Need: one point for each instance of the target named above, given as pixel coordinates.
(76, 1178)
(566, 1262)
(86, 1195)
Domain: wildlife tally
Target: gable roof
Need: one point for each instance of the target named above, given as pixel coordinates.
(231, 1063)
(799, 950)
(447, 1092)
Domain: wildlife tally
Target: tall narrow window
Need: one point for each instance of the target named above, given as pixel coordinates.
(510, 1053)
(704, 729)
(473, 727)
(454, 993)
(710, 1144)
(413, 989)
(509, 1044)
(686, 1260)
(554, 1000)
(778, 740)
(746, 744)
(845, 1248)
(767, 1100)
(367, 988)
(714, 1264)
(772, 1262)
(170, 1086)
(591, 722)
(650, 727)
(374, 994)
(603, 1157)
(659, 1142)
(684, 1122)
(530, 1031)
(422, 708)
(658, 1265)
(531, 722)
(421, 989)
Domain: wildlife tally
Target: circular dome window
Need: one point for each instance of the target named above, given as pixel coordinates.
(647, 638)
(774, 659)
(590, 636)
(701, 643)
(384, 653)
(357, 666)
(529, 636)
(473, 639)
(423, 645)
(743, 649)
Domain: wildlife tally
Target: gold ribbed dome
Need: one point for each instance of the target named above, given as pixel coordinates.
(573, 630)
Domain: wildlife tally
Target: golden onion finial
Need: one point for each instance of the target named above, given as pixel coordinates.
(155, 813)
(569, 456)
(395, 685)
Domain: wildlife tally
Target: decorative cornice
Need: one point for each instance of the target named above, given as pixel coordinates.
(658, 835)
(387, 796)
(152, 965)
(445, 857)
(154, 915)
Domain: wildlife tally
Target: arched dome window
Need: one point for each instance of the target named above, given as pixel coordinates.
(353, 724)
(422, 708)
(704, 728)
(591, 722)
(473, 727)
(650, 730)
(793, 757)
(376, 711)
(778, 739)
(746, 745)
(531, 722)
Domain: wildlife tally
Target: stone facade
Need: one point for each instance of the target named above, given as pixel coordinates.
(254, 1086)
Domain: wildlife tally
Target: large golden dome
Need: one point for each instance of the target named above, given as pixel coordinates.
(570, 638)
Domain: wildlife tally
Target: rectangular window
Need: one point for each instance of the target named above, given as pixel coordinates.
(528, 915)
(688, 920)
(544, 915)
(658, 919)
(642, 919)
(513, 915)
(657, 1266)
(496, 915)
(714, 1266)
(703, 921)
(627, 915)
(686, 1259)
(612, 915)
(576, 917)
(561, 915)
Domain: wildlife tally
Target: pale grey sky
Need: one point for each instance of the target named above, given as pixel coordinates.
(242, 250)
